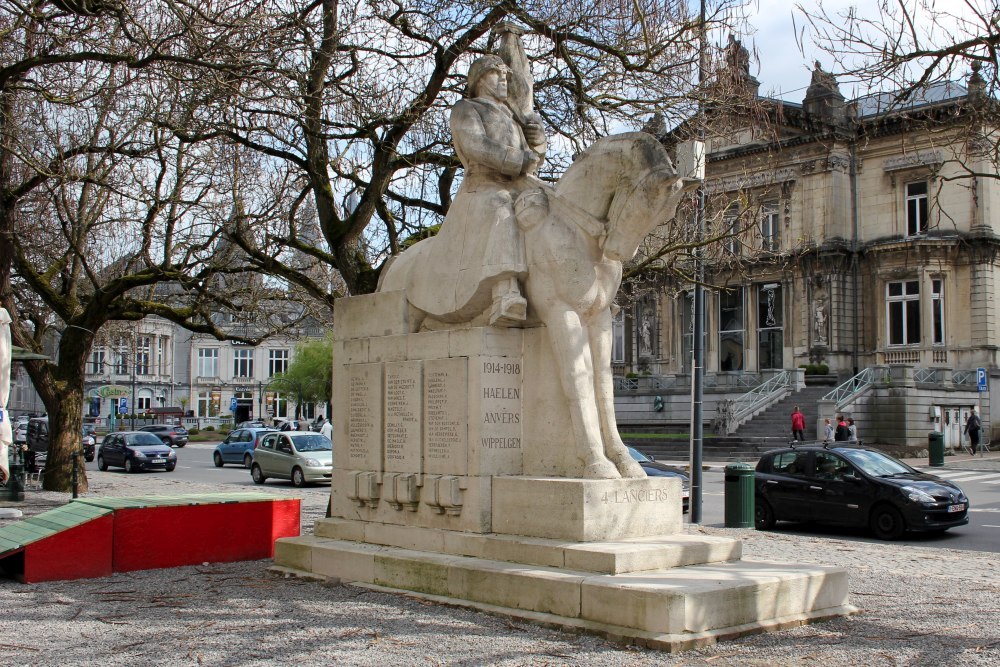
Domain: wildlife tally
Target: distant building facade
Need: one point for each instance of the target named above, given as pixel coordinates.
(860, 242)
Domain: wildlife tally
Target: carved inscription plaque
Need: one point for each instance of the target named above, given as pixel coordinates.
(499, 412)
(364, 417)
(403, 412)
(446, 416)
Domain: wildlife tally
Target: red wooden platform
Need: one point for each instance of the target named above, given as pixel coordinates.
(95, 537)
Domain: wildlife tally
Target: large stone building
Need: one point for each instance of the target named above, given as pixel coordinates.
(157, 364)
(862, 240)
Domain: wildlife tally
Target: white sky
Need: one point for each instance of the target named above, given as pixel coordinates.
(777, 62)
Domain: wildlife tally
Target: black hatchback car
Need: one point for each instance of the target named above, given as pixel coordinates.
(854, 486)
(135, 451)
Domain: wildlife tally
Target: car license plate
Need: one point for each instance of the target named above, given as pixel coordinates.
(956, 508)
(164, 461)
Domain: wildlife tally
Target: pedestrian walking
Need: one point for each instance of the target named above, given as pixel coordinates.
(827, 431)
(842, 433)
(798, 425)
(852, 430)
(972, 427)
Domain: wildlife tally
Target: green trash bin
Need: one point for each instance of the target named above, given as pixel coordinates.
(935, 449)
(739, 495)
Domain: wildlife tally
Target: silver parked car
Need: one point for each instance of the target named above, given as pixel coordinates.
(301, 456)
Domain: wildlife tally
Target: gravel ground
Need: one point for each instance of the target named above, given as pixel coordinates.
(920, 606)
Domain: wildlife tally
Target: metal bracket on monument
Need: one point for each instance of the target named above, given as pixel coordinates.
(445, 494)
(402, 491)
(366, 491)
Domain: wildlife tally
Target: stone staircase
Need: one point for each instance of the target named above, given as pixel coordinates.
(770, 429)
(776, 421)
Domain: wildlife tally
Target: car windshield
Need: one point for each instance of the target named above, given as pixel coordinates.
(312, 443)
(142, 440)
(876, 464)
(637, 455)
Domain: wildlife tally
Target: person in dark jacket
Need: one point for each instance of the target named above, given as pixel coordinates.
(842, 433)
(972, 428)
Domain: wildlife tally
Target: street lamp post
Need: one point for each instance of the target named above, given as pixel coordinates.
(134, 406)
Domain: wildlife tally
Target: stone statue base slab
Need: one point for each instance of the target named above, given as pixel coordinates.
(586, 510)
(670, 593)
(458, 478)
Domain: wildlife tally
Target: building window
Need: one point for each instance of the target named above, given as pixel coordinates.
(770, 327)
(769, 229)
(937, 311)
(242, 363)
(731, 329)
(97, 361)
(903, 312)
(618, 338)
(916, 208)
(143, 402)
(731, 227)
(277, 362)
(280, 405)
(161, 355)
(208, 362)
(121, 358)
(143, 346)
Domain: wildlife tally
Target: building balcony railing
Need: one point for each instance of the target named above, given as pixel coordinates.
(914, 356)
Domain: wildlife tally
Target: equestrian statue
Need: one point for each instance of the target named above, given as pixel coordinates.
(514, 250)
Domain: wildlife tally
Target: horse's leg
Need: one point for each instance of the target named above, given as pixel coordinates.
(570, 344)
(600, 348)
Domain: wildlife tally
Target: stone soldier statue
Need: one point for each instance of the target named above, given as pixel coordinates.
(478, 258)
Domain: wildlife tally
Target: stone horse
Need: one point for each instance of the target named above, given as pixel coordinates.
(576, 237)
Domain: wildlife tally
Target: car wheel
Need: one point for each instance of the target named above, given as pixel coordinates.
(763, 515)
(217, 457)
(101, 465)
(88, 459)
(257, 474)
(129, 466)
(887, 523)
(166, 441)
(298, 479)
(247, 461)
(180, 444)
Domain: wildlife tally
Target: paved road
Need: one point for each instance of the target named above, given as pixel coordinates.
(194, 464)
(981, 484)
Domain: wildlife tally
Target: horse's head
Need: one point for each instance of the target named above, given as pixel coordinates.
(628, 181)
(636, 210)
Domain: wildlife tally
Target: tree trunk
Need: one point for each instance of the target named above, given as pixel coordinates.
(65, 442)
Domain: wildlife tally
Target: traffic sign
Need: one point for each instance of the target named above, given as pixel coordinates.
(981, 379)
(232, 404)
(123, 405)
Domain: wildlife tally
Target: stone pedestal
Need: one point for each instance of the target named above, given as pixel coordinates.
(446, 445)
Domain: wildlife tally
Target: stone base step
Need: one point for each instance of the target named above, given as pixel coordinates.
(606, 557)
(672, 608)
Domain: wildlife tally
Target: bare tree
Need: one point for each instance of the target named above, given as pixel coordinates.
(104, 216)
(930, 65)
(350, 102)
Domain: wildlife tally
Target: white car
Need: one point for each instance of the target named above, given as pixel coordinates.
(300, 456)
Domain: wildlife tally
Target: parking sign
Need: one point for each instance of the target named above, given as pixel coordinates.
(981, 379)
(122, 405)
(232, 404)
